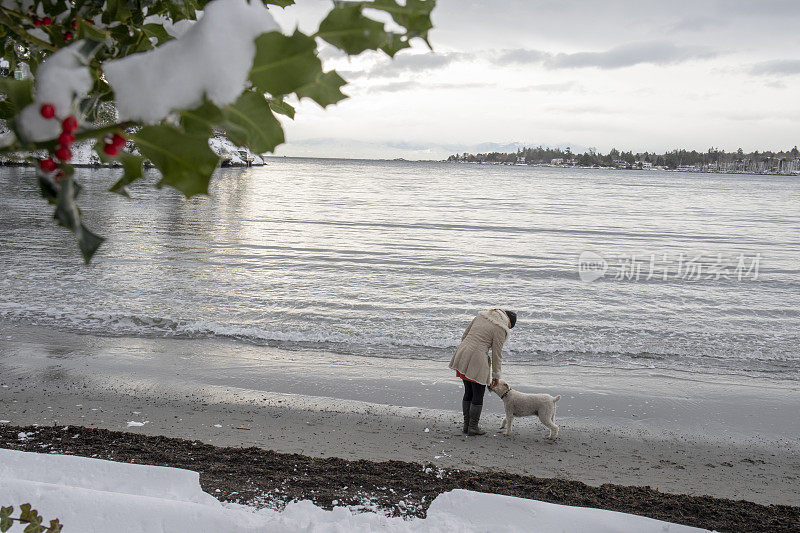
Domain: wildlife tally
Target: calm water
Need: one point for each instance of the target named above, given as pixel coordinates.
(392, 259)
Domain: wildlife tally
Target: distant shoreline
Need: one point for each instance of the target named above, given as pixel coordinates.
(653, 169)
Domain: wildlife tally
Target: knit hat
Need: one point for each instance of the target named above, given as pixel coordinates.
(512, 318)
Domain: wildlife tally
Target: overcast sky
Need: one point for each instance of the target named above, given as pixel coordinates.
(632, 74)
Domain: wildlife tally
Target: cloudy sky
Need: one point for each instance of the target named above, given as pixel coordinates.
(632, 74)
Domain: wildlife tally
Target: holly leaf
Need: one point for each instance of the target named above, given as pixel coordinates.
(250, 122)
(325, 90)
(279, 3)
(201, 120)
(90, 31)
(157, 31)
(279, 105)
(284, 63)
(18, 94)
(131, 171)
(414, 16)
(347, 28)
(69, 215)
(394, 43)
(185, 161)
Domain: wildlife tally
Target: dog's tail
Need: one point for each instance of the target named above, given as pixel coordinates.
(556, 398)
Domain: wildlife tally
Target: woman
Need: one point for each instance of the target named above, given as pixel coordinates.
(488, 330)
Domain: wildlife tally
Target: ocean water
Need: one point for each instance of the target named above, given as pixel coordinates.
(622, 269)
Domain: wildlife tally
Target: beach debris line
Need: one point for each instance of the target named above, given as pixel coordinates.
(264, 478)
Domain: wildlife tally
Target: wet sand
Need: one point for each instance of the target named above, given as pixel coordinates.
(728, 437)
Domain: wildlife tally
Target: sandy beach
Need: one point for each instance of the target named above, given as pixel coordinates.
(721, 437)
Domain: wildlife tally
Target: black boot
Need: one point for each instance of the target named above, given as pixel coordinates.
(474, 417)
(465, 407)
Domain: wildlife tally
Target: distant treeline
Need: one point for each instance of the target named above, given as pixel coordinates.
(783, 162)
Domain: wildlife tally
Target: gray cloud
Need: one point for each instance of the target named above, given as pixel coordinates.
(627, 55)
(522, 57)
(550, 87)
(779, 67)
(396, 86)
(409, 63)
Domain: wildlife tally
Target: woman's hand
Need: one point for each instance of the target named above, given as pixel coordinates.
(493, 384)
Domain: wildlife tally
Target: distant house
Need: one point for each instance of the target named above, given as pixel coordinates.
(646, 165)
(557, 161)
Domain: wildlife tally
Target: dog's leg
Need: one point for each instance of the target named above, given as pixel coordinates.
(503, 423)
(547, 420)
(509, 419)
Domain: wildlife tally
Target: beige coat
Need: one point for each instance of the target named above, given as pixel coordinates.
(487, 331)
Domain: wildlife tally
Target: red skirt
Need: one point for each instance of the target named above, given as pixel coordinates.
(465, 378)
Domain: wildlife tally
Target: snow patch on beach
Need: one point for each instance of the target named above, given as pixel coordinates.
(94, 495)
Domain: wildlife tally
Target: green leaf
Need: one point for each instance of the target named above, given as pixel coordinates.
(249, 122)
(55, 526)
(280, 106)
(394, 43)
(69, 215)
(89, 31)
(35, 526)
(25, 512)
(157, 31)
(414, 16)
(18, 94)
(279, 3)
(284, 63)
(348, 29)
(185, 161)
(131, 168)
(326, 90)
(115, 10)
(201, 120)
(5, 521)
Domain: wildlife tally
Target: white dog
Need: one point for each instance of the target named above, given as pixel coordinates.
(521, 404)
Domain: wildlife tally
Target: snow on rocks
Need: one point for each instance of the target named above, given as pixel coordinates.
(93, 495)
(213, 58)
(232, 155)
(61, 79)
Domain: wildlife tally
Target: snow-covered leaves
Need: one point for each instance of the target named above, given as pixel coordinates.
(219, 65)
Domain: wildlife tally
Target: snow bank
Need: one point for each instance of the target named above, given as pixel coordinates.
(92, 495)
(212, 58)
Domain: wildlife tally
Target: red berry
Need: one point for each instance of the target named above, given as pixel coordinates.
(64, 153)
(69, 124)
(37, 22)
(48, 111)
(118, 140)
(66, 139)
(110, 149)
(47, 21)
(48, 165)
(68, 36)
(74, 24)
